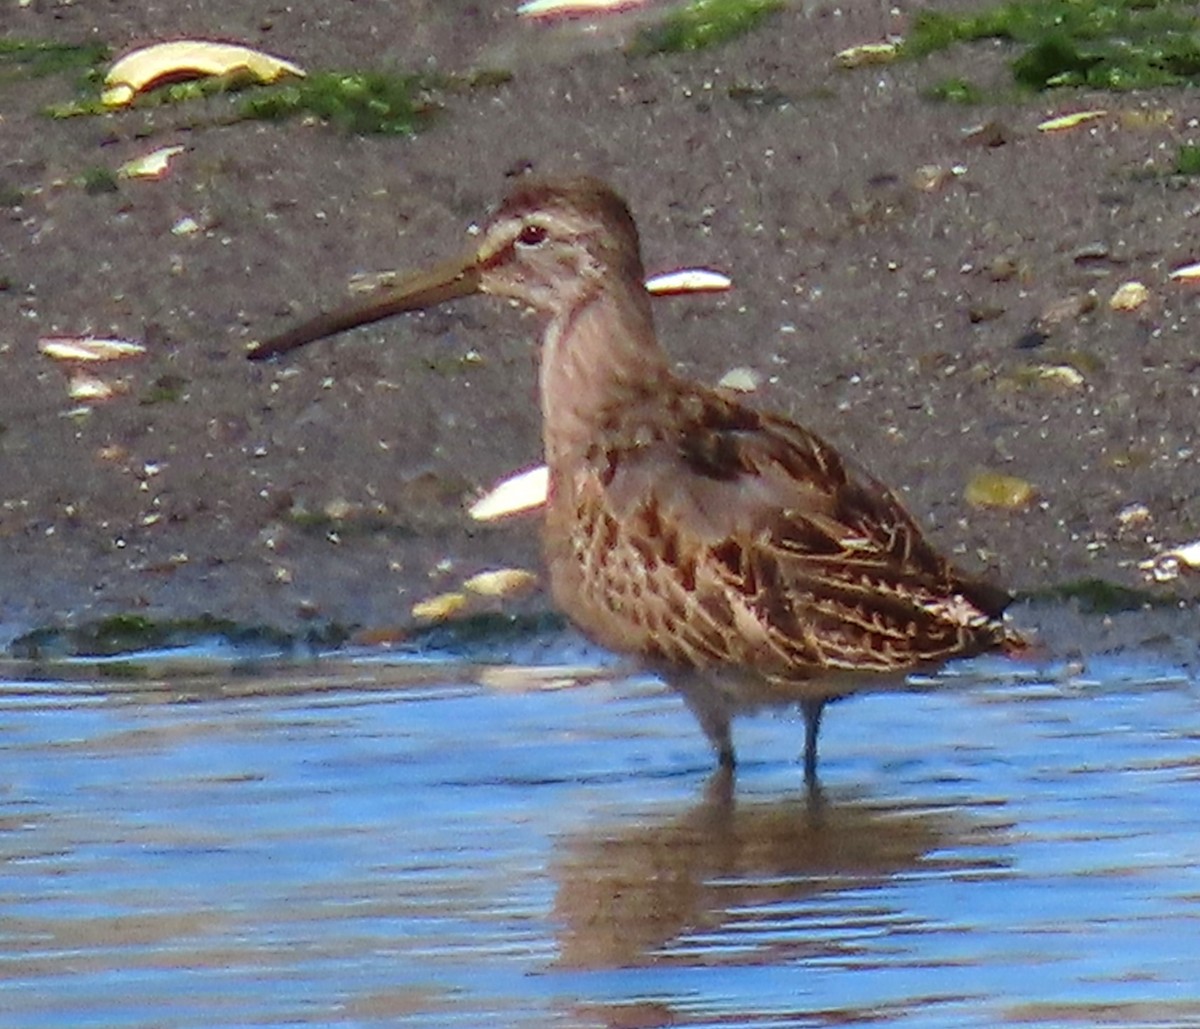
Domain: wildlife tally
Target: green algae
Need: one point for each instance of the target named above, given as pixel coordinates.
(1101, 596)
(132, 645)
(11, 196)
(97, 180)
(702, 24)
(166, 389)
(37, 58)
(956, 91)
(131, 634)
(368, 102)
(1103, 44)
(1187, 161)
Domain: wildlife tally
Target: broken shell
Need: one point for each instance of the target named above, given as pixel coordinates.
(150, 166)
(440, 607)
(1166, 566)
(566, 8)
(1129, 296)
(89, 387)
(1147, 119)
(369, 282)
(930, 177)
(88, 348)
(184, 59)
(522, 492)
(740, 380)
(688, 280)
(1188, 273)
(527, 679)
(1059, 375)
(994, 489)
(867, 53)
(1132, 515)
(501, 582)
(1071, 121)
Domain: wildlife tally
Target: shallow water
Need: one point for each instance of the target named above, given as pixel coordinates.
(187, 841)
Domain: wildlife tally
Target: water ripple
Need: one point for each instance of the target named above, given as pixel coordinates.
(365, 839)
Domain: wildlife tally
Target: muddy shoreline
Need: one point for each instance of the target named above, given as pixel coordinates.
(900, 282)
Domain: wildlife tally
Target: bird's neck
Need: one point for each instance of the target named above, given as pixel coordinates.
(596, 351)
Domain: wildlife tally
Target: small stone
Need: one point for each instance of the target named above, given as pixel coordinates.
(1067, 309)
(1132, 515)
(1002, 269)
(989, 134)
(930, 177)
(996, 490)
(978, 313)
(1129, 296)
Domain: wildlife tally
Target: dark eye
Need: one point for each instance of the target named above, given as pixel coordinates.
(532, 236)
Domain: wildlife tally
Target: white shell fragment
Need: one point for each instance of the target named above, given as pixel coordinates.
(522, 492)
(88, 348)
(1167, 566)
(867, 53)
(1071, 121)
(187, 58)
(369, 282)
(150, 166)
(86, 388)
(500, 582)
(1188, 273)
(740, 380)
(688, 280)
(534, 679)
(577, 8)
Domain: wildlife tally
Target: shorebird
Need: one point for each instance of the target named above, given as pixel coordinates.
(732, 551)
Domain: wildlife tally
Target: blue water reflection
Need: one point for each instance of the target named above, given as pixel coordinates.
(350, 842)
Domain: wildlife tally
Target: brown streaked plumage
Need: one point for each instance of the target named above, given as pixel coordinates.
(732, 550)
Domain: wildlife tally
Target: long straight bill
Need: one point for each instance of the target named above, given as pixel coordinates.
(424, 289)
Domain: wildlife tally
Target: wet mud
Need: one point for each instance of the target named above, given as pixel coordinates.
(903, 283)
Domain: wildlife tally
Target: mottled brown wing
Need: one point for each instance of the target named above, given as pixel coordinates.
(726, 535)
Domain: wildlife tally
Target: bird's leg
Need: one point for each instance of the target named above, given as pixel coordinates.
(812, 709)
(716, 728)
(718, 790)
(711, 711)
